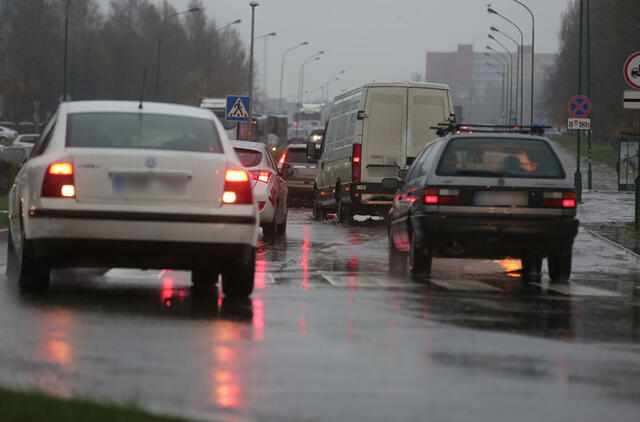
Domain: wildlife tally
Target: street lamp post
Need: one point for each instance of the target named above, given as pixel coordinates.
(282, 72)
(237, 21)
(519, 75)
(332, 78)
(312, 58)
(505, 59)
(66, 46)
(512, 104)
(162, 24)
(494, 12)
(253, 5)
(264, 68)
(501, 71)
(533, 43)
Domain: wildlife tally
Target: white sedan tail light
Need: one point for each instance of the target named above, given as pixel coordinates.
(59, 181)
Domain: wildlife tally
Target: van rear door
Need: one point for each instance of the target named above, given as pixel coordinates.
(384, 132)
(427, 108)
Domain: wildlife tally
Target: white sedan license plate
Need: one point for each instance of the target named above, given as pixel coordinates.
(500, 198)
(148, 186)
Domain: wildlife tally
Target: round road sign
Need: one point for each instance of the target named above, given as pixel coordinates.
(632, 70)
(579, 106)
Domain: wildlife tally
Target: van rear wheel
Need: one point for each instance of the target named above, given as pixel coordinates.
(345, 214)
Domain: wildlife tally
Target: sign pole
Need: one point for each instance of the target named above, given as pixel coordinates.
(589, 174)
(578, 175)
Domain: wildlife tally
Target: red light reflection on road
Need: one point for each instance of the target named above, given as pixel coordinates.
(511, 266)
(258, 319)
(261, 267)
(227, 389)
(303, 326)
(304, 257)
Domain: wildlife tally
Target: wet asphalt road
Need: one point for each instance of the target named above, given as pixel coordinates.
(328, 335)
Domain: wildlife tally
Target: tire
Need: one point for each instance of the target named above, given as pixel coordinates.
(204, 276)
(560, 266)
(270, 230)
(344, 214)
(317, 211)
(282, 228)
(531, 267)
(397, 259)
(32, 274)
(237, 282)
(419, 259)
(12, 259)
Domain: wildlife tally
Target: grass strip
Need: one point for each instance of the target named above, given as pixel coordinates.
(37, 407)
(600, 152)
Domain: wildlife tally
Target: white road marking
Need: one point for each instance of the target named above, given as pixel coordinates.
(360, 280)
(3, 269)
(464, 285)
(577, 290)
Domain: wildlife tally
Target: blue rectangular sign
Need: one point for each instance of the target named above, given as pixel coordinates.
(237, 108)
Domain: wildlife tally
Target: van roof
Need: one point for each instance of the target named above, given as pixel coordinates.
(402, 84)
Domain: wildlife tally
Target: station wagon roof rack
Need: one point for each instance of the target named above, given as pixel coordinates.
(444, 129)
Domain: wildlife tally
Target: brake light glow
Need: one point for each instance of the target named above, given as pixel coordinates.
(355, 162)
(59, 181)
(61, 168)
(261, 176)
(284, 156)
(441, 196)
(237, 188)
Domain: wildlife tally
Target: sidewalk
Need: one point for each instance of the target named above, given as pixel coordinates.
(604, 210)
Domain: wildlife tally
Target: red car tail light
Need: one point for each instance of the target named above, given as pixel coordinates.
(441, 196)
(237, 188)
(59, 181)
(284, 157)
(559, 199)
(260, 175)
(356, 158)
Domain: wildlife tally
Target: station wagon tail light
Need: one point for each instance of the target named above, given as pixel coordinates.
(237, 188)
(559, 199)
(59, 181)
(441, 196)
(260, 175)
(356, 164)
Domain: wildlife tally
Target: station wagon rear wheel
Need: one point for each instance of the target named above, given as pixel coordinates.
(344, 214)
(531, 267)
(560, 266)
(419, 260)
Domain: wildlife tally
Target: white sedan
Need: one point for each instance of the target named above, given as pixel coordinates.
(123, 184)
(7, 134)
(269, 188)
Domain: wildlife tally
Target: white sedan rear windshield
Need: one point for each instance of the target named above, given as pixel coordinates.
(249, 157)
(146, 131)
(525, 158)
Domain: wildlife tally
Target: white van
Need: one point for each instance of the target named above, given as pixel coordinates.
(373, 132)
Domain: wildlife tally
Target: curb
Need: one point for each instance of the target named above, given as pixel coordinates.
(611, 242)
(4, 234)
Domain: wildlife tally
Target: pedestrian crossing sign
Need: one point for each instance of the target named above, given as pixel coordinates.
(237, 108)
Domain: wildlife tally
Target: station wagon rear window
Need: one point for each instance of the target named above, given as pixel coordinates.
(500, 157)
(296, 155)
(142, 131)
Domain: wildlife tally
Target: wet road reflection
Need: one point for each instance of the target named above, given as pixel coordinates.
(329, 335)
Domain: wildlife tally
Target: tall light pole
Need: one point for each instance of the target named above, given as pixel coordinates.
(253, 5)
(494, 12)
(237, 21)
(264, 67)
(332, 78)
(282, 72)
(519, 75)
(66, 46)
(533, 54)
(500, 71)
(512, 104)
(162, 24)
(505, 59)
(312, 58)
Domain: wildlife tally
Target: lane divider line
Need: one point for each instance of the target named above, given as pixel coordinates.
(464, 285)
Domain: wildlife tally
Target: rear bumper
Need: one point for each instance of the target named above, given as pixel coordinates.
(65, 252)
(486, 237)
(240, 228)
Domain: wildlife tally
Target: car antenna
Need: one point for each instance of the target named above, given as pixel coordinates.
(144, 81)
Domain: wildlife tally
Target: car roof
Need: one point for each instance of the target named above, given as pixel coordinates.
(249, 144)
(133, 107)
(494, 135)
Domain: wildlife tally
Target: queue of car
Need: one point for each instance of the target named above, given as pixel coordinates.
(152, 185)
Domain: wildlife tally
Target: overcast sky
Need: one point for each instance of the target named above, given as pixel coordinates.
(374, 39)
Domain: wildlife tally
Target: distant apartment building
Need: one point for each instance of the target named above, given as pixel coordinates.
(479, 82)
